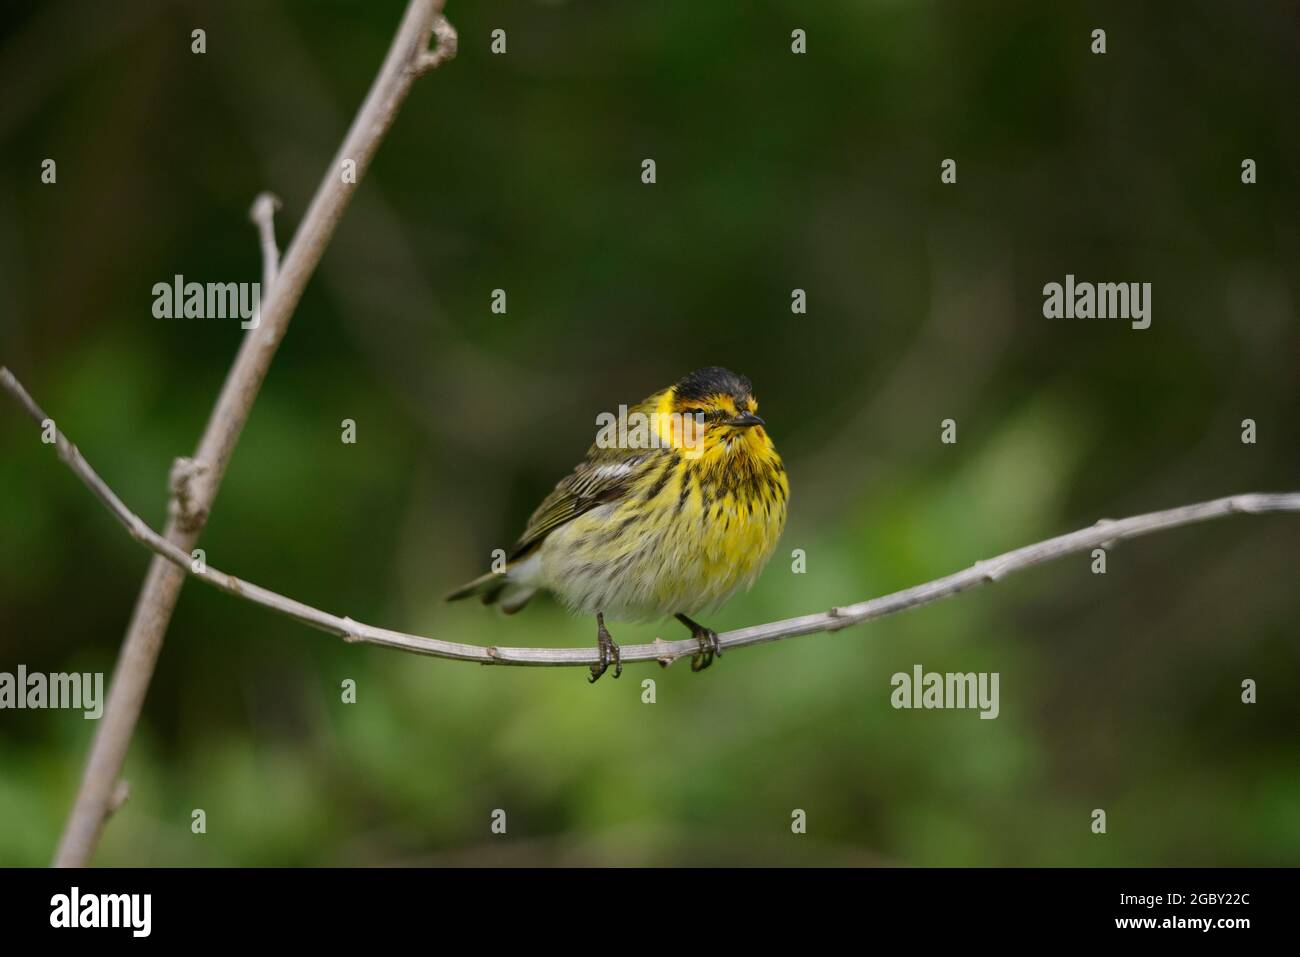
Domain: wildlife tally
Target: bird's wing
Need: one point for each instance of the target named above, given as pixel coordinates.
(601, 479)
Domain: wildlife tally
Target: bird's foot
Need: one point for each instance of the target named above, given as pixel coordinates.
(608, 649)
(709, 643)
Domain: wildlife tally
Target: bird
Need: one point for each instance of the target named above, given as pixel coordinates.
(678, 504)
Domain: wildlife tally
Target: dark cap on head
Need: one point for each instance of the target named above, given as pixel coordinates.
(714, 380)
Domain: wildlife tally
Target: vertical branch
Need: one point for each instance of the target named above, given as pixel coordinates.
(194, 482)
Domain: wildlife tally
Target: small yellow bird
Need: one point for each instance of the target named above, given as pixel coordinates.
(671, 512)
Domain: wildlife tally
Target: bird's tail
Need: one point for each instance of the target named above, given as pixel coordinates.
(496, 588)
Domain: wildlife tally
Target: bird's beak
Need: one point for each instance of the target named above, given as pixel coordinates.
(745, 420)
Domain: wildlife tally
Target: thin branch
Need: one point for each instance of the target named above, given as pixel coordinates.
(1103, 533)
(263, 216)
(195, 480)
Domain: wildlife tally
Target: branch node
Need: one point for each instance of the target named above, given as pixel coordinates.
(664, 654)
(1246, 505)
(121, 793)
(838, 619)
(265, 205)
(350, 636)
(1111, 542)
(447, 43)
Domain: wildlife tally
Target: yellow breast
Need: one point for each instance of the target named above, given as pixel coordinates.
(685, 537)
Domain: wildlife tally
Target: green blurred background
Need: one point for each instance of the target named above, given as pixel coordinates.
(775, 171)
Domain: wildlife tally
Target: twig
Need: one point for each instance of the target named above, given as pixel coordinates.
(263, 216)
(444, 49)
(1104, 532)
(195, 481)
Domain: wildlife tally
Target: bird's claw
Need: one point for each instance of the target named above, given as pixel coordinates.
(709, 647)
(608, 649)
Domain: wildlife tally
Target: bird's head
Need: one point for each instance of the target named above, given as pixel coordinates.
(721, 407)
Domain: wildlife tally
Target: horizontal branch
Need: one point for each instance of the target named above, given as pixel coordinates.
(1103, 533)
